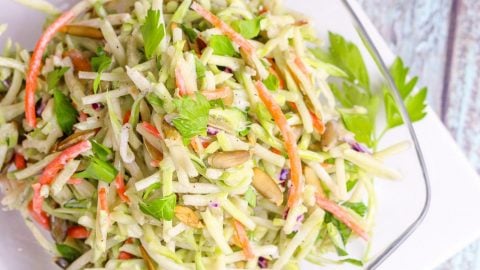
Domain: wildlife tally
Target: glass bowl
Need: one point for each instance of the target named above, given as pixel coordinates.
(402, 204)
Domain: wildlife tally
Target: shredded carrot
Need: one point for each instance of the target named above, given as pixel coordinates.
(225, 28)
(151, 129)
(78, 232)
(59, 162)
(126, 117)
(125, 255)
(317, 123)
(37, 200)
(290, 142)
(19, 161)
(301, 66)
(102, 199)
(276, 151)
(36, 63)
(74, 181)
(222, 92)
(79, 61)
(41, 218)
(120, 185)
(180, 82)
(241, 235)
(341, 215)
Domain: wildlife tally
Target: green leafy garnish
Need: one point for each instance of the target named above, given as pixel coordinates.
(189, 32)
(222, 45)
(192, 117)
(64, 111)
(153, 31)
(271, 82)
(358, 207)
(101, 151)
(352, 261)
(100, 63)
(99, 170)
(414, 103)
(247, 28)
(351, 184)
(251, 197)
(53, 77)
(69, 253)
(161, 208)
(348, 57)
(344, 230)
(151, 189)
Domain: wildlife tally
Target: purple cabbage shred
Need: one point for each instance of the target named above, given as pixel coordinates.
(262, 262)
(212, 131)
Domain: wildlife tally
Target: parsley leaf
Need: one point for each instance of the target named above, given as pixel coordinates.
(54, 76)
(101, 151)
(160, 208)
(100, 170)
(247, 28)
(69, 253)
(271, 82)
(358, 207)
(414, 103)
(344, 230)
(192, 117)
(251, 197)
(348, 58)
(100, 63)
(64, 111)
(153, 31)
(222, 45)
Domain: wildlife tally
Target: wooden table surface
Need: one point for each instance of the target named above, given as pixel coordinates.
(440, 40)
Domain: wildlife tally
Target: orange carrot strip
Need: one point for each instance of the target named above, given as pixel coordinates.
(120, 184)
(37, 200)
(78, 232)
(151, 129)
(36, 63)
(219, 93)
(80, 62)
(126, 117)
(102, 199)
(59, 162)
(19, 161)
(225, 28)
(289, 138)
(341, 215)
(125, 255)
(301, 66)
(317, 123)
(242, 237)
(41, 218)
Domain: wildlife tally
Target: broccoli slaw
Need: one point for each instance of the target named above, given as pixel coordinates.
(191, 135)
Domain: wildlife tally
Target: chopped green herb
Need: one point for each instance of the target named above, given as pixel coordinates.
(248, 28)
(271, 82)
(192, 117)
(161, 208)
(53, 77)
(100, 63)
(64, 111)
(101, 151)
(68, 252)
(358, 207)
(222, 45)
(153, 31)
(99, 170)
